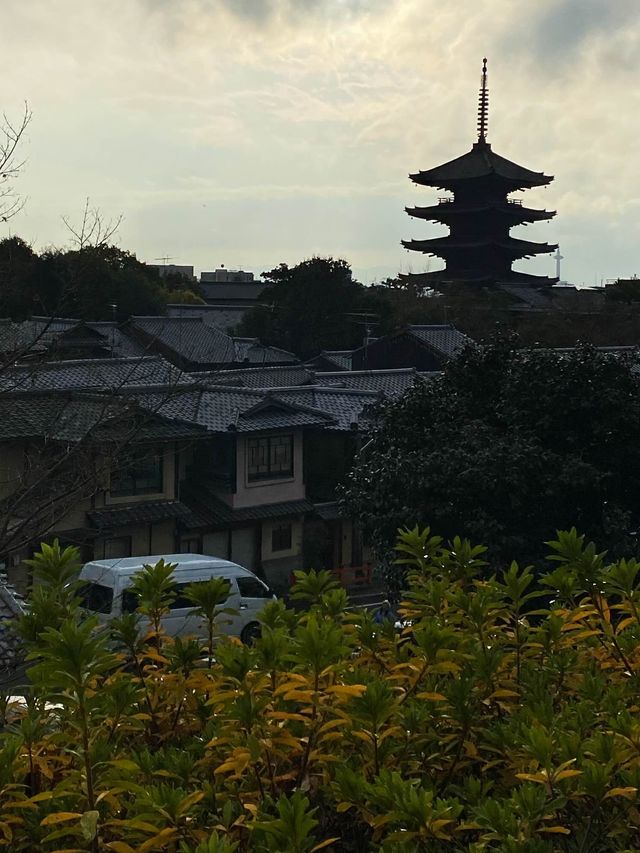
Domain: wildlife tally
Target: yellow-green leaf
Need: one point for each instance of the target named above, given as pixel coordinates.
(59, 817)
(323, 844)
(347, 690)
(628, 793)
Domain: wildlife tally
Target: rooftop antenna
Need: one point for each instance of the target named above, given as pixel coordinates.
(558, 257)
(164, 258)
(483, 105)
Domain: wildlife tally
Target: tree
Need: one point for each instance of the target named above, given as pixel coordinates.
(90, 282)
(507, 444)
(11, 135)
(307, 308)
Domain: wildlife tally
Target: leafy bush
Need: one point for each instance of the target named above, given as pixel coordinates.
(502, 717)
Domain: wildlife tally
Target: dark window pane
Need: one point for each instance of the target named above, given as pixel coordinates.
(181, 600)
(138, 472)
(97, 598)
(281, 538)
(270, 457)
(253, 588)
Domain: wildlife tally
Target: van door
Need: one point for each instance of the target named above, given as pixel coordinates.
(181, 621)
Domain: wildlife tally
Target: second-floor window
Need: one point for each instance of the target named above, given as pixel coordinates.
(270, 457)
(138, 472)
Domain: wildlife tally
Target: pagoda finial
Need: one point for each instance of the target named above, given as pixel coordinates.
(483, 104)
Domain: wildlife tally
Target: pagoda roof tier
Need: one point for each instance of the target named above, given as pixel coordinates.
(428, 279)
(444, 245)
(480, 163)
(447, 211)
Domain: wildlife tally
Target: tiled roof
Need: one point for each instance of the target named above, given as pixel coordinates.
(11, 607)
(252, 351)
(532, 298)
(18, 338)
(97, 374)
(142, 513)
(210, 510)
(257, 377)
(53, 331)
(392, 383)
(341, 358)
(57, 417)
(220, 409)
(188, 337)
(329, 511)
(445, 340)
(222, 317)
(72, 417)
(481, 161)
(192, 340)
(348, 407)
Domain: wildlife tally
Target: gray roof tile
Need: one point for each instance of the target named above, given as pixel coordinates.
(188, 337)
(209, 510)
(257, 377)
(149, 512)
(445, 340)
(223, 317)
(392, 383)
(220, 409)
(341, 358)
(95, 374)
(192, 340)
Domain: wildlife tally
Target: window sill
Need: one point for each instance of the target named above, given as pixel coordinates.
(273, 481)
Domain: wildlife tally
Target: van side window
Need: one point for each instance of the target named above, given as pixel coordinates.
(181, 600)
(252, 588)
(129, 602)
(96, 597)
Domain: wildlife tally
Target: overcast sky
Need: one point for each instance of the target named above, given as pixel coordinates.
(250, 132)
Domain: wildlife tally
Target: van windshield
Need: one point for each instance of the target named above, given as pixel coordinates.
(96, 597)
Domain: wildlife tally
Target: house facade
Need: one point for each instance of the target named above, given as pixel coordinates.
(174, 437)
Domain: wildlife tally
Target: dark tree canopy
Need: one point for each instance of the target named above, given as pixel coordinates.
(83, 283)
(309, 307)
(507, 446)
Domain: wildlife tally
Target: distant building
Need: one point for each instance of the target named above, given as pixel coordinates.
(224, 275)
(165, 270)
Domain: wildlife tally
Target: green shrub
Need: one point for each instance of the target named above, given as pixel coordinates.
(502, 717)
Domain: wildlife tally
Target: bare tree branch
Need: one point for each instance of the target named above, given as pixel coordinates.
(93, 230)
(11, 135)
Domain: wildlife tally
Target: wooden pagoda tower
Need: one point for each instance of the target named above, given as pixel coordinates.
(479, 214)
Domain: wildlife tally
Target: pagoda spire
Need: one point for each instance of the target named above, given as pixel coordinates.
(483, 105)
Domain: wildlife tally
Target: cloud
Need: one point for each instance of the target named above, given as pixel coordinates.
(203, 106)
(563, 30)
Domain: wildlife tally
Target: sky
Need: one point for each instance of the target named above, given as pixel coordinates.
(254, 132)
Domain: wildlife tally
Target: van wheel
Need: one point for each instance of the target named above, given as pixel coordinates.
(250, 633)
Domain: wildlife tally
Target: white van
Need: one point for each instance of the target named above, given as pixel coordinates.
(106, 594)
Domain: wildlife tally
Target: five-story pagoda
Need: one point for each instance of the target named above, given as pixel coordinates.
(479, 214)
